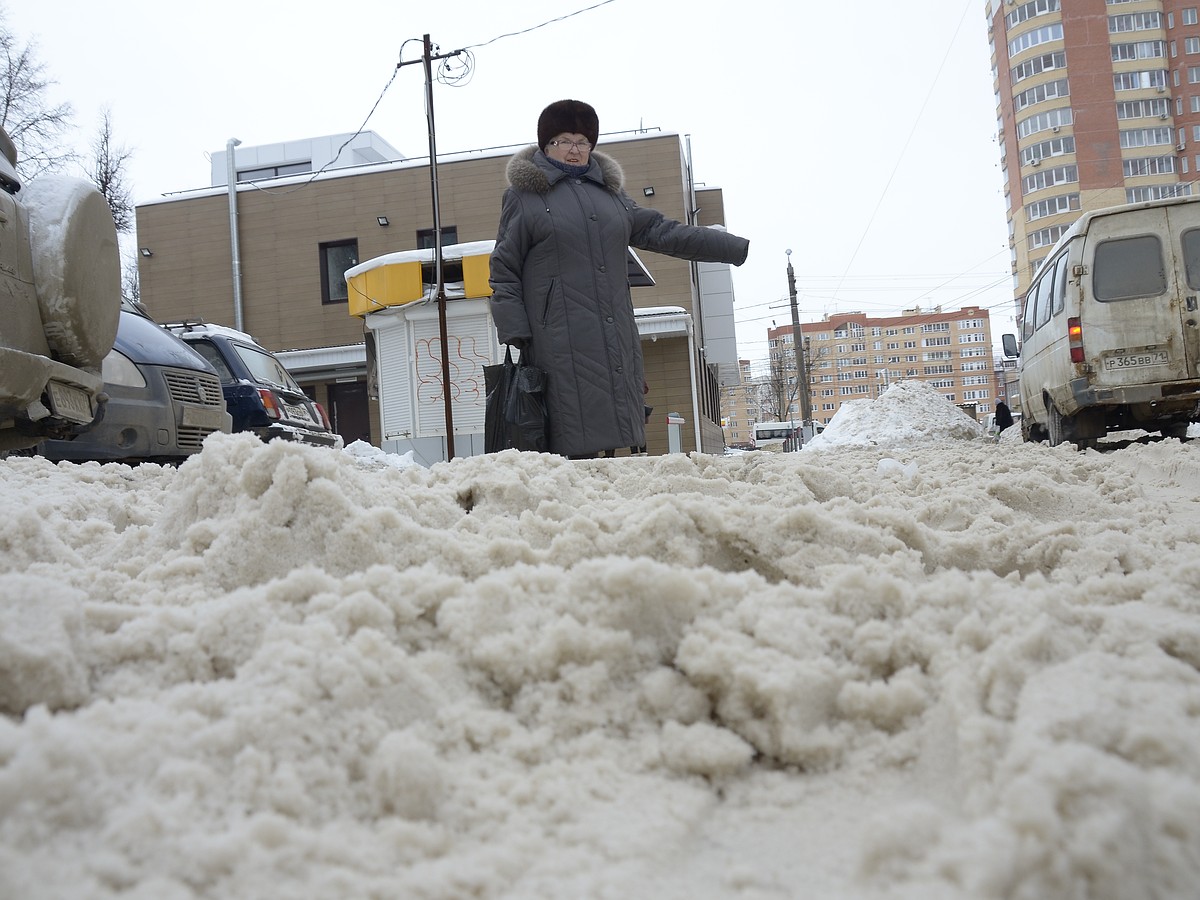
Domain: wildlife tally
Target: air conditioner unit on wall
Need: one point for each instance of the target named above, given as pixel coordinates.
(1036, 161)
(1181, 147)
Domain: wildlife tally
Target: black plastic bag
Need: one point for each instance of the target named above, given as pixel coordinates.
(515, 415)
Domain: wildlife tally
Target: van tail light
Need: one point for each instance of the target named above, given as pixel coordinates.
(324, 416)
(1075, 339)
(269, 403)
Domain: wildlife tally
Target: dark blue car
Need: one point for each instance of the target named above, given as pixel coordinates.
(260, 394)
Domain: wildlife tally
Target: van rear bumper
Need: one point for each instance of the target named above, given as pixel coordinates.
(1170, 395)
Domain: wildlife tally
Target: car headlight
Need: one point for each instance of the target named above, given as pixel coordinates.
(117, 368)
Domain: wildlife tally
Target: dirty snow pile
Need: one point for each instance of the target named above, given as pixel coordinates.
(938, 668)
(907, 414)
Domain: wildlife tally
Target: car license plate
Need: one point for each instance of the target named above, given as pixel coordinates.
(70, 402)
(1136, 360)
(298, 413)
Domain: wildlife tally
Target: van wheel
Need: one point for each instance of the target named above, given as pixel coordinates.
(1059, 425)
(1175, 429)
(1066, 428)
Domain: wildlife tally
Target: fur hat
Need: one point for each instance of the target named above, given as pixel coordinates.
(567, 117)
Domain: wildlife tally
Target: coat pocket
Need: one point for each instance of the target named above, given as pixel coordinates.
(546, 306)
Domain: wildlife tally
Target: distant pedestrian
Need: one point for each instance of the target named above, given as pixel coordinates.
(560, 282)
(1004, 417)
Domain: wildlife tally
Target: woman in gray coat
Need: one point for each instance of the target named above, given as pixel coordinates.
(560, 284)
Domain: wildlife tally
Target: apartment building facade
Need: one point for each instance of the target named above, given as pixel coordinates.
(1098, 104)
(742, 404)
(271, 254)
(852, 356)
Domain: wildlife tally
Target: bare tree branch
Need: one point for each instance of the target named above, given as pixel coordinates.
(108, 174)
(36, 128)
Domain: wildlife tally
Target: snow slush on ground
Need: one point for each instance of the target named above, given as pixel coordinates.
(910, 661)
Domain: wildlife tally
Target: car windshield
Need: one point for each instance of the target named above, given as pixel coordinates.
(266, 368)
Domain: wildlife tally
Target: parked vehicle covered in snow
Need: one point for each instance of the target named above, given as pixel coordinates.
(1111, 326)
(60, 295)
(164, 399)
(260, 394)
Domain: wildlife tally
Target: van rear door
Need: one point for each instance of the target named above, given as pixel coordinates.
(1134, 302)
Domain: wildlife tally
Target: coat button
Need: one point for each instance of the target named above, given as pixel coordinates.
(620, 369)
(608, 318)
(603, 269)
(593, 217)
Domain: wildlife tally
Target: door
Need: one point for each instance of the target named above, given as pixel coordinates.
(1133, 305)
(350, 411)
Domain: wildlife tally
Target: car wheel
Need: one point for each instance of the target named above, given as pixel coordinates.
(76, 267)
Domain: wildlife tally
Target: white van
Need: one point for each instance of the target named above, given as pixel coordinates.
(1111, 330)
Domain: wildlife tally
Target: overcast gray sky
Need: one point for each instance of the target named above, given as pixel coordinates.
(860, 137)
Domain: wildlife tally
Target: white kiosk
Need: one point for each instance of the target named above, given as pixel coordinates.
(395, 295)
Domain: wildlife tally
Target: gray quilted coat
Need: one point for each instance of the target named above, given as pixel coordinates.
(560, 287)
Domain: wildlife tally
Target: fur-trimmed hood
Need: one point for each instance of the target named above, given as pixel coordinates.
(529, 170)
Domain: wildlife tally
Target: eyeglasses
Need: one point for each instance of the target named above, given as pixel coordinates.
(578, 145)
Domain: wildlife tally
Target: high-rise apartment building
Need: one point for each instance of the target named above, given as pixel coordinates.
(852, 356)
(1098, 104)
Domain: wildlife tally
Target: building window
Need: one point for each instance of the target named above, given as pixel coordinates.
(1037, 65)
(1043, 35)
(1189, 16)
(1034, 154)
(336, 258)
(1146, 137)
(1027, 11)
(1050, 120)
(1140, 81)
(1148, 165)
(1147, 21)
(261, 174)
(1052, 206)
(1139, 50)
(1051, 178)
(1052, 90)
(1158, 192)
(1144, 109)
(425, 237)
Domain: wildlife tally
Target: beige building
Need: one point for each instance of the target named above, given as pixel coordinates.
(270, 258)
(852, 356)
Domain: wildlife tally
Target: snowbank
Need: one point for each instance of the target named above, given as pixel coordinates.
(923, 669)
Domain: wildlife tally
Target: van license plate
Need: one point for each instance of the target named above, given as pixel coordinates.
(1136, 360)
(70, 402)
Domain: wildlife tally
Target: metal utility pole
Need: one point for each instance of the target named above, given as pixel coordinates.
(798, 344)
(231, 170)
(427, 57)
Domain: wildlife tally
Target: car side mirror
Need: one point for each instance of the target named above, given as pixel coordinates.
(1009, 342)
